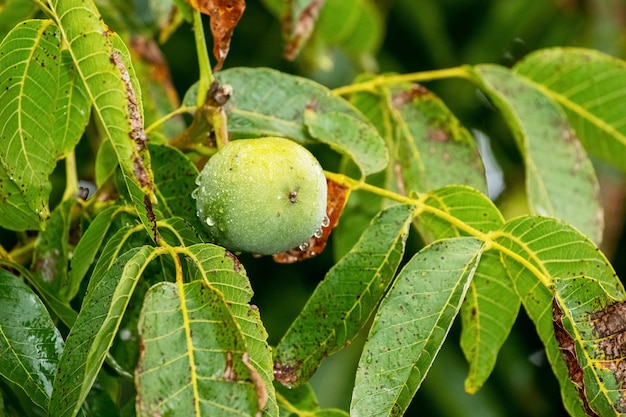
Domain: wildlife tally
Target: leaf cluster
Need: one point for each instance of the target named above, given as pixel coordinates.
(118, 304)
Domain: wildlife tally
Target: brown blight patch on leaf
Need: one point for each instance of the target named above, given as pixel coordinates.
(257, 381)
(136, 133)
(609, 329)
(298, 29)
(335, 202)
(286, 374)
(568, 351)
(151, 217)
(407, 96)
(236, 264)
(225, 15)
(229, 372)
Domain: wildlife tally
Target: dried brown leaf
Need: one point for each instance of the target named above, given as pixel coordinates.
(225, 15)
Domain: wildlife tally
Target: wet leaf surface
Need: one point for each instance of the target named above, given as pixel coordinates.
(411, 324)
(193, 360)
(30, 343)
(343, 302)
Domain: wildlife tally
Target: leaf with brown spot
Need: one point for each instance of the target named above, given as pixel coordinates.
(568, 350)
(336, 201)
(298, 22)
(361, 278)
(225, 15)
(594, 351)
(434, 148)
(552, 154)
(160, 96)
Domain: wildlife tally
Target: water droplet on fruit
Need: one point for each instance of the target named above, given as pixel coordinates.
(325, 221)
(304, 246)
(318, 233)
(210, 222)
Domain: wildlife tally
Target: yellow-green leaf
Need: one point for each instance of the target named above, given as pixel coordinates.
(589, 85)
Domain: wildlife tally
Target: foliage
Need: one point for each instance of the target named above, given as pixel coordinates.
(119, 305)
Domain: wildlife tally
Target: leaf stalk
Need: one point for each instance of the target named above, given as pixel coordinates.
(381, 80)
(206, 75)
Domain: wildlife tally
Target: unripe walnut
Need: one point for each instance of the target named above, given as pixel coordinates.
(263, 196)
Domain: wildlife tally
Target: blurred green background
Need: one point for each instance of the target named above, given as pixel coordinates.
(407, 36)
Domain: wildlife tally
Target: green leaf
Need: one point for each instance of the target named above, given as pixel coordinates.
(594, 321)
(301, 398)
(488, 314)
(72, 108)
(174, 177)
(432, 147)
(30, 343)
(103, 65)
(349, 136)
(177, 232)
(29, 56)
(89, 244)
(221, 270)
(14, 11)
(588, 85)
(194, 360)
(92, 334)
(448, 205)
(342, 303)
(558, 170)
(411, 325)
(266, 102)
(374, 105)
(301, 401)
(106, 163)
(62, 309)
(356, 26)
(124, 239)
(358, 213)
(535, 251)
(52, 253)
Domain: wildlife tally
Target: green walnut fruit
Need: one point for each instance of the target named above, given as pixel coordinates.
(263, 196)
